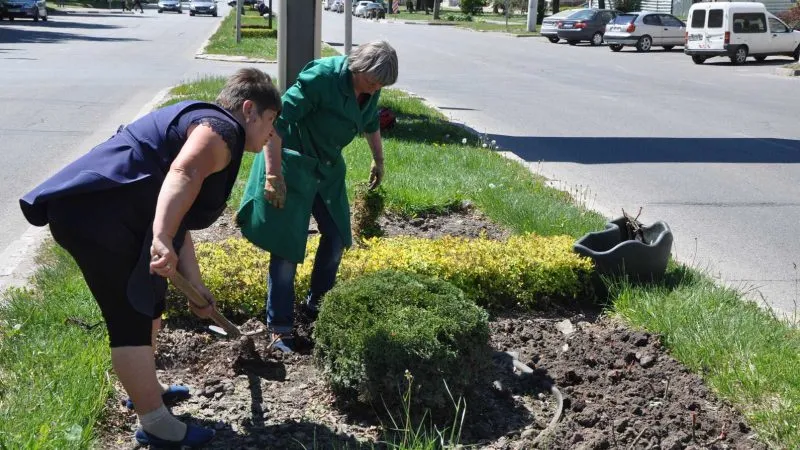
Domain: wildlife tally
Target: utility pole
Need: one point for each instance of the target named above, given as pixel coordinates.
(348, 26)
(239, 6)
(533, 11)
(299, 37)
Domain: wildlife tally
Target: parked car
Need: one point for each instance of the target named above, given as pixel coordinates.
(374, 10)
(208, 7)
(644, 30)
(358, 8)
(586, 25)
(738, 30)
(338, 6)
(549, 27)
(170, 5)
(18, 9)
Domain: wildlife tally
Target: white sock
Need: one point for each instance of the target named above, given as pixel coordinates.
(160, 423)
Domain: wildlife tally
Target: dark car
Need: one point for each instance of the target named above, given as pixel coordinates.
(31, 9)
(586, 25)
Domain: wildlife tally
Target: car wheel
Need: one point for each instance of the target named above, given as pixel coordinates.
(615, 47)
(698, 59)
(796, 54)
(36, 16)
(214, 14)
(760, 58)
(160, 11)
(644, 44)
(573, 42)
(44, 18)
(740, 56)
(553, 39)
(668, 48)
(191, 13)
(597, 39)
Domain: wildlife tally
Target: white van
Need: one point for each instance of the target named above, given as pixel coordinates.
(737, 30)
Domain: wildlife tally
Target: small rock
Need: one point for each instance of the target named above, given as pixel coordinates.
(564, 348)
(218, 395)
(641, 341)
(614, 375)
(647, 360)
(636, 411)
(577, 438)
(578, 405)
(587, 420)
(527, 433)
(417, 221)
(621, 426)
(565, 327)
(571, 378)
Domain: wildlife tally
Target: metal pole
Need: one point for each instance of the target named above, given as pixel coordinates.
(270, 14)
(348, 26)
(282, 68)
(533, 11)
(238, 21)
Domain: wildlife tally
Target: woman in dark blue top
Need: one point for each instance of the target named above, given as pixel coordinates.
(124, 210)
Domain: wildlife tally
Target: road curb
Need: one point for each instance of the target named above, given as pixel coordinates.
(787, 72)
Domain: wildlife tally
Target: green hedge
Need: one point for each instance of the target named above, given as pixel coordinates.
(496, 274)
(373, 329)
(256, 33)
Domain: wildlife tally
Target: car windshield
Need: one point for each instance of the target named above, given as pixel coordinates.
(624, 19)
(582, 15)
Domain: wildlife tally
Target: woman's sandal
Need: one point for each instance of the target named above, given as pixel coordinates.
(195, 436)
(173, 393)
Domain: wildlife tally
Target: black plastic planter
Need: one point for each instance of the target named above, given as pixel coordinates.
(615, 254)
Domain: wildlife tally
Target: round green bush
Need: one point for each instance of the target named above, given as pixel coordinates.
(374, 328)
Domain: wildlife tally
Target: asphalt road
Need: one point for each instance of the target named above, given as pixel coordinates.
(713, 150)
(67, 84)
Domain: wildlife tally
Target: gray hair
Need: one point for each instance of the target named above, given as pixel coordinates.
(376, 58)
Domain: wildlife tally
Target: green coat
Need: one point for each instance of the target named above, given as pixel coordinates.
(320, 117)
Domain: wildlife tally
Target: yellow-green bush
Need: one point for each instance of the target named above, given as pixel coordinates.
(493, 273)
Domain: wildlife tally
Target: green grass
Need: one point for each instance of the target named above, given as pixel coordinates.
(258, 41)
(54, 376)
(749, 357)
(252, 45)
(516, 24)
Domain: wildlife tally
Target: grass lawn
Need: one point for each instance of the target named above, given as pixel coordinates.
(749, 357)
(516, 23)
(258, 41)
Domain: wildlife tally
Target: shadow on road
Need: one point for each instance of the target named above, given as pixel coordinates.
(41, 35)
(614, 150)
(64, 22)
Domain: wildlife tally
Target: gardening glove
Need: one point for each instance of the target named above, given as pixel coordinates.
(275, 190)
(203, 312)
(375, 174)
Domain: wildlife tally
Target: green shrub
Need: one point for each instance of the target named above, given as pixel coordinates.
(373, 329)
(256, 33)
(472, 6)
(496, 274)
(628, 5)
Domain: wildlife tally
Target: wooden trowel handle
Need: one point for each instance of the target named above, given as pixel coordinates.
(200, 301)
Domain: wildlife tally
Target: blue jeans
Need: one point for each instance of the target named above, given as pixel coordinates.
(280, 282)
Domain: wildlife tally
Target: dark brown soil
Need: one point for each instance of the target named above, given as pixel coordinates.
(621, 389)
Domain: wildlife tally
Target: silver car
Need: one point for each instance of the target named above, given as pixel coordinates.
(170, 5)
(645, 30)
(550, 24)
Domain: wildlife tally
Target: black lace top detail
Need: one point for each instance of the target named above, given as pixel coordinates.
(226, 130)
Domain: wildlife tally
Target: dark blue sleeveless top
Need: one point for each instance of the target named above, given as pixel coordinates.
(140, 154)
(142, 151)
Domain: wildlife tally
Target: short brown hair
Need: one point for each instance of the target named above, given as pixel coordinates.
(250, 84)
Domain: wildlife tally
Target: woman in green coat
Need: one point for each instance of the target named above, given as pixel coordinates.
(333, 100)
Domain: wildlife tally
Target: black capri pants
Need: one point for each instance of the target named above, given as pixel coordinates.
(105, 232)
